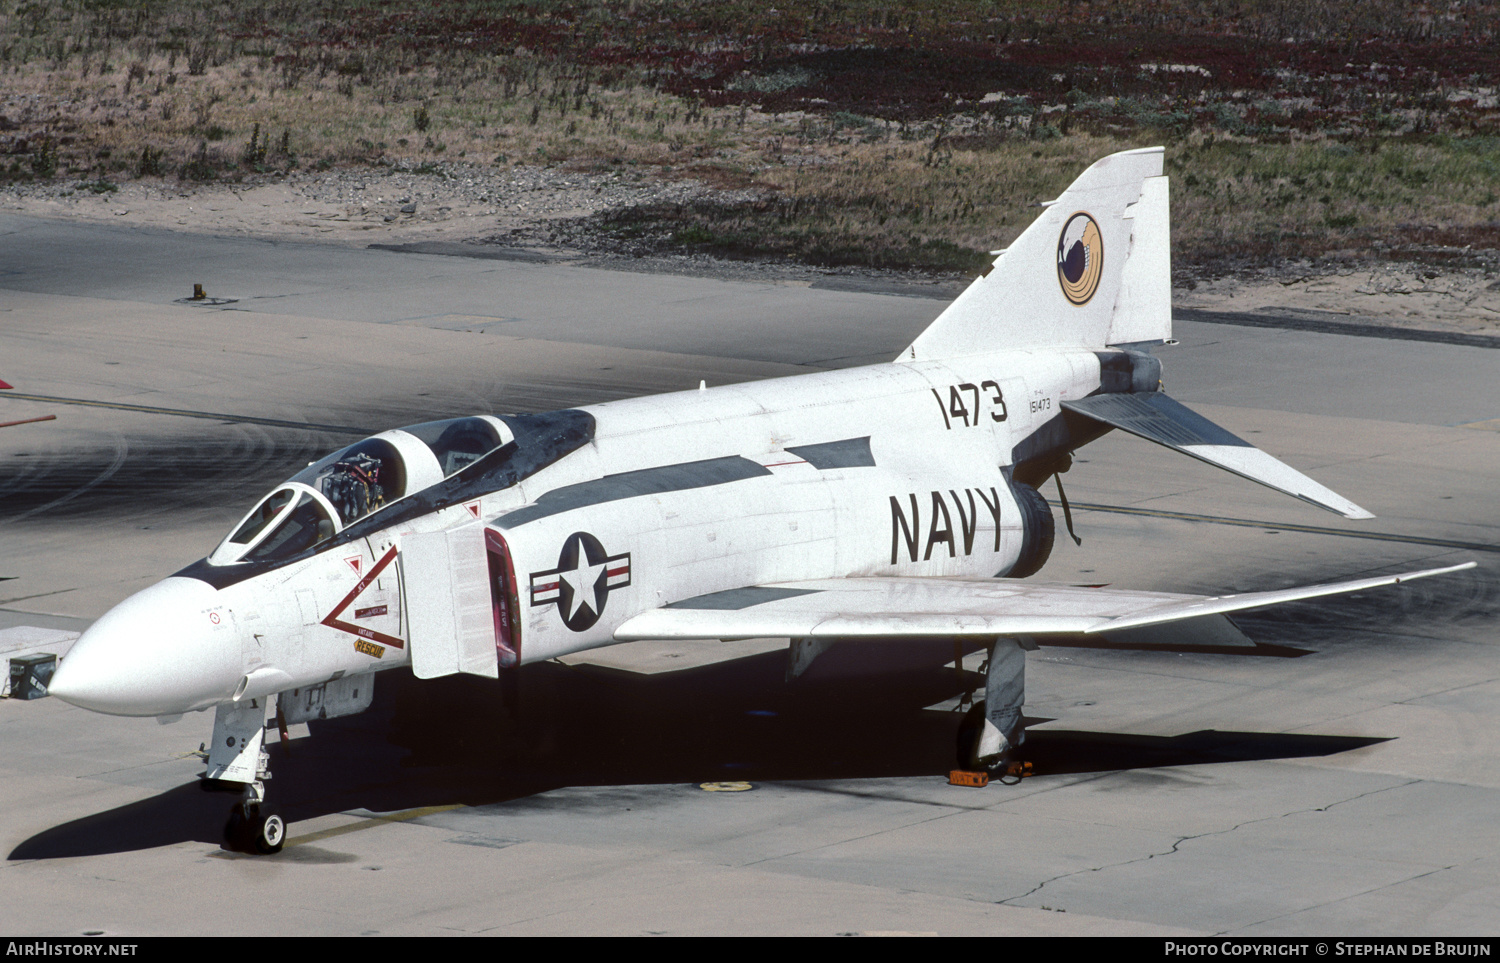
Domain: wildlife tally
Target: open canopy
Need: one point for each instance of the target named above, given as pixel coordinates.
(331, 494)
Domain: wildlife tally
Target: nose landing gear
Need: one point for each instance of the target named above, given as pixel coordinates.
(238, 762)
(254, 827)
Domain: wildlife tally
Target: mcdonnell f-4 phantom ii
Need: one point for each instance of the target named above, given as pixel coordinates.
(895, 501)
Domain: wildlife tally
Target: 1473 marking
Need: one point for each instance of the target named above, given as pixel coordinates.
(966, 401)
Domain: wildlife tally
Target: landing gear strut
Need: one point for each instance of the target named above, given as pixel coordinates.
(992, 730)
(239, 762)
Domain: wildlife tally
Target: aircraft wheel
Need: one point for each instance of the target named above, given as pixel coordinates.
(237, 831)
(270, 833)
(969, 731)
(998, 765)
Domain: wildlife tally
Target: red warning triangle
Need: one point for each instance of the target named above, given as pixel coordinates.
(473, 508)
(356, 563)
(333, 621)
(3, 385)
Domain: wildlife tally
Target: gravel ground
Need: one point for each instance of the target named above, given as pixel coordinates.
(401, 195)
(552, 212)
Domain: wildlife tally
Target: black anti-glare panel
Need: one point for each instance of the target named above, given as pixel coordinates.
(846, 453)
(732, 600)
(630, 484)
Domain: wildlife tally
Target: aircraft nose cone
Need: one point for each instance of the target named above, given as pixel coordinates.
(168, 649)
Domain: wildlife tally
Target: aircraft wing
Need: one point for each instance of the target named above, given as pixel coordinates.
(958, 608)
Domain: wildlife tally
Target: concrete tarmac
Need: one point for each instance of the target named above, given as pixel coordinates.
(1341, 778)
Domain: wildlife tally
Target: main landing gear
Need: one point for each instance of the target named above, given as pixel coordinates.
(992, 732)
(238, 762)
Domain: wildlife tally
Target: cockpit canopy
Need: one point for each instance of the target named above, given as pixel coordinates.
(331, 494)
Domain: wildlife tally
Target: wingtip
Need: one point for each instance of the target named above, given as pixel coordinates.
(1428, 573)
(1327, 500)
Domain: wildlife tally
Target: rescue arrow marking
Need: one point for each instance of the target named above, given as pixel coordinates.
(333, 621)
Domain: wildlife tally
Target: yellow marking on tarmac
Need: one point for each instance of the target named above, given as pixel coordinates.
(365, 822)
(725, 786)
(370, 822)
(1492, 425)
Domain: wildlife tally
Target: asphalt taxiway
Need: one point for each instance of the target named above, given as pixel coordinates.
(1342, 778)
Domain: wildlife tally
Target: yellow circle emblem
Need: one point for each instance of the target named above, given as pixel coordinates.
(1080, 258)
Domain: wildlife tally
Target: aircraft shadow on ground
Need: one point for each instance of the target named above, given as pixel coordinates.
(858, 713)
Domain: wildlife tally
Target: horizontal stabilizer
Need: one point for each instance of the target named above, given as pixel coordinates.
(957, 608)
(1157, 417)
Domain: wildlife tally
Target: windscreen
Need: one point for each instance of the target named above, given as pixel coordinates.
(306, 525)
(263, 515)
(400, 475)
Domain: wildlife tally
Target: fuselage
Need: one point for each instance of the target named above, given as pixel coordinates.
(896, 469)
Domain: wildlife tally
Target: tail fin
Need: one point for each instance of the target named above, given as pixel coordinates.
(1095, 269)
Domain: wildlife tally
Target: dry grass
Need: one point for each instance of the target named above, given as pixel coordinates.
(895, 204)
(1308, 198)
(899, 136)
(245, 116)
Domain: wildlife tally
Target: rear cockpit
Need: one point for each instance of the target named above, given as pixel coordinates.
(330, 495)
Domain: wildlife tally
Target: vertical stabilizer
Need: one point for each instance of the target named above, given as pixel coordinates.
(1143, 309)
(1093, 269)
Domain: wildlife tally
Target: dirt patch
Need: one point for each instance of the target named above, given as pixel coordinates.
(382, 204)
(1394, 293)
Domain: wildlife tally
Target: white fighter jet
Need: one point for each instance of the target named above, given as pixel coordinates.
(893, 501)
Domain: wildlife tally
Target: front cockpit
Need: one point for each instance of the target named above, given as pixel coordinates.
(329, 495)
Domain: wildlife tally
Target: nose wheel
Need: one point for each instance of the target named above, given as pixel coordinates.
(254, 828)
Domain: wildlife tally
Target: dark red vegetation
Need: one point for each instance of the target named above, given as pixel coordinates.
(1290, 66)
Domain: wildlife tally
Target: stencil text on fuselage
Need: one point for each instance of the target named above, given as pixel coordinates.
(908, 533)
